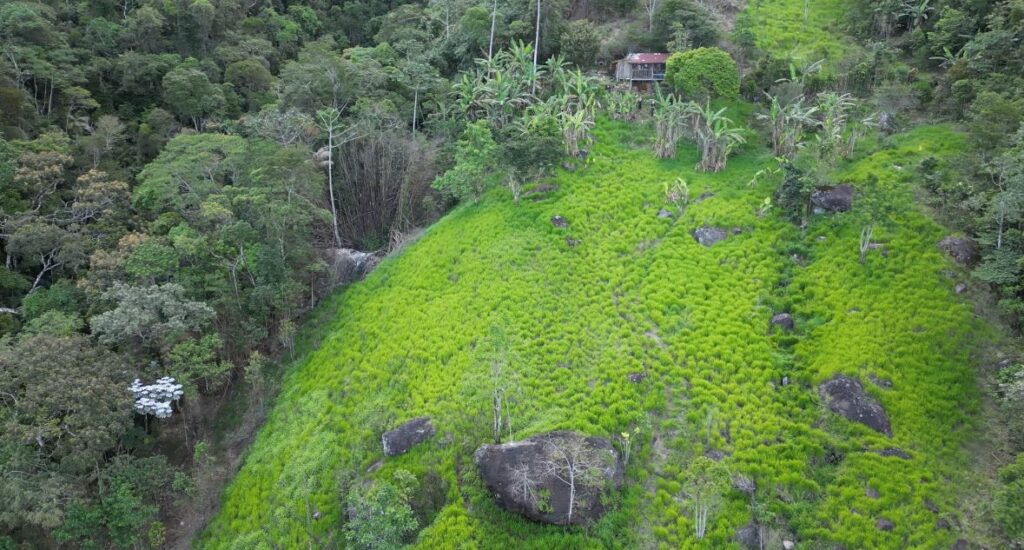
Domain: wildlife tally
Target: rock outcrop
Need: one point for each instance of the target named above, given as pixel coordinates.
(963, 250)
(348, 265)
(749, 536)
(845, 396)
(831, 199)
(783, 321)
(708, 236)
(406, 436)
(532, 477)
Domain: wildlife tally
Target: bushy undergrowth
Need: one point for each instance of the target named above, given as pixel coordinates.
(636, 294)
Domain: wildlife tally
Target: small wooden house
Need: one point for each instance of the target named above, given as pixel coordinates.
(641, 69)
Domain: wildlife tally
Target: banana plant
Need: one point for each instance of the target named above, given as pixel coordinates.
(715, 134)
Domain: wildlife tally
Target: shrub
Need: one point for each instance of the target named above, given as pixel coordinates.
(1009, 500)
(476, 156)
(703, 73)
(381, 517)
(580, 43)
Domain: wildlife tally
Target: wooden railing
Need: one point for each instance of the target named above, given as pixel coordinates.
(640, 73)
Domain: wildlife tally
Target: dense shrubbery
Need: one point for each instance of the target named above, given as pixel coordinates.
(703, 73)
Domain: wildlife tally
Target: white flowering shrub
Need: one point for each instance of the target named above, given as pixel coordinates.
(156, 398)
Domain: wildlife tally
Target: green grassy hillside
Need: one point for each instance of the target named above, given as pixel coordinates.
(638, 294)
(803, 30)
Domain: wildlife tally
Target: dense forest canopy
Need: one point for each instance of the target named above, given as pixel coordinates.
(184, 183)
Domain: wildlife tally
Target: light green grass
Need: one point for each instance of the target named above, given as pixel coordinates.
(636, 295)
(782, 30)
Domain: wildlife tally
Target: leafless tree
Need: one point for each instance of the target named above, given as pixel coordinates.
(524, 485)
(650, 6)
(291, 127)
(337, 135)
(569, 460)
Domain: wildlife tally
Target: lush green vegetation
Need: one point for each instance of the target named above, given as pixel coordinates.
(800, 30)
(185, 183)
(638, 294)
(703, 73)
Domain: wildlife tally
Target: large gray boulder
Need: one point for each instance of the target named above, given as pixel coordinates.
(406, 436)
(347, 265)
(708, 236)
(830, 199)
(963, 250)
(557, 477)
(845, 396)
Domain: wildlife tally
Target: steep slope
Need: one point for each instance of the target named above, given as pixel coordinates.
(637, 294)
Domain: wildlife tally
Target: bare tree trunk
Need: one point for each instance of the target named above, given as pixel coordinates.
(494, 19)
(330, 185)
(415, 103)
(536, 51)
(999, 233)
(865, 241)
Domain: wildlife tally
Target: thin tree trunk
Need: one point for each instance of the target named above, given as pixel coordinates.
(415, 103)
(330, 184)
(536, 51)
(494, 19)
(999, 234)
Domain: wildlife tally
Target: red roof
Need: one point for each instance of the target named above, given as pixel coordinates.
(646, 58)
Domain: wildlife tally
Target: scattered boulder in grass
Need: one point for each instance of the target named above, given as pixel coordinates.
(559, 221)
(961, 544)
(871, 492)
(716, 454)
(530, 477)
(963, 250)
(636, 377)
(573, 243)
(884, 525)
(930, 506)
(831, 199)
(708, 236)
(568, 167)
(408, 435)
(784, 321)
(788, 545)
(749, 536)
(895, 452)
(960, 288)
(881, 248)
(664, 214)
(703, 197)
(845, 396)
